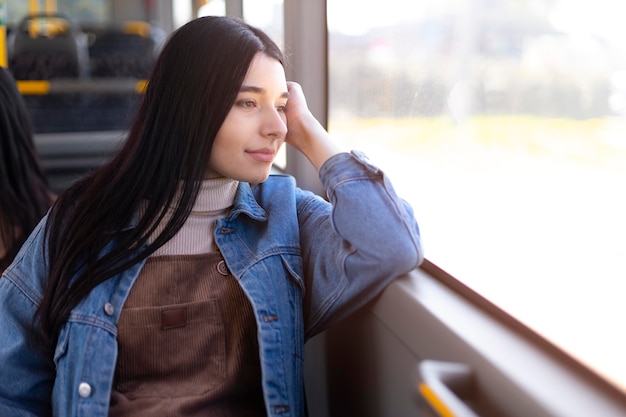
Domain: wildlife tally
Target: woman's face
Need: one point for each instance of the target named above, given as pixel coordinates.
(256, 126)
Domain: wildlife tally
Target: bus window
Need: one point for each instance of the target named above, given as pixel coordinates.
(15, 10)
(267, 15)
(212, 8)
(92, 11)
(503, 123)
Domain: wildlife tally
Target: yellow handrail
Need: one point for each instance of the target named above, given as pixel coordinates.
(3, 35)
(38, 26)
(33, 28)
(51, 6)
(97, 86)
(33, 6)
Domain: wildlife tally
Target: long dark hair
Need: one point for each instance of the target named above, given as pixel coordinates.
(192, 88)
(24, 192)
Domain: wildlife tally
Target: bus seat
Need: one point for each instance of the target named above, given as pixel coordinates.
(128, 50)
(48, 46)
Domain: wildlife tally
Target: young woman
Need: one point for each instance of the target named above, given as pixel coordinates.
(181, 279)
(24, 193)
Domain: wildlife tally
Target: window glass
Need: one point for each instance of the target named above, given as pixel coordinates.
(267, 15)
(78, 10)
(212, 8)
(15, 10)
(85, 10)
(503, 123)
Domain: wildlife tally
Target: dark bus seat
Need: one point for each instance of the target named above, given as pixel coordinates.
(47, 46)
(127, 50)
(56, 51)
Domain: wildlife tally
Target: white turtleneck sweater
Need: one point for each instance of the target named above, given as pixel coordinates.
(215, 198)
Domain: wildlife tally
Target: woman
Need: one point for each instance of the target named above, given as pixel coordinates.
(24, 193)
(181, 279)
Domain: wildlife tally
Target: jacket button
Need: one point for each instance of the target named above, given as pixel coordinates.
(109, 309)
(222, 268)
(84, 389)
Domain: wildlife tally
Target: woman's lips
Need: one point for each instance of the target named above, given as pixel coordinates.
(262, 155)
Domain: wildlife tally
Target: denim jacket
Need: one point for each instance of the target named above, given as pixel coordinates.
(302, 262)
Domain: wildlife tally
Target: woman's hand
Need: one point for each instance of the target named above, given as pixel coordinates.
(304, 132)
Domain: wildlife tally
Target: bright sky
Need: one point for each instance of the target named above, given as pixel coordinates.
(577, 17)
(355, 17)
(591, 17)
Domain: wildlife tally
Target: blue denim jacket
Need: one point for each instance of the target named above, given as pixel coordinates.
(303, 263)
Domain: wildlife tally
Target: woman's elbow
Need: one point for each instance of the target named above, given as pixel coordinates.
(409, 256)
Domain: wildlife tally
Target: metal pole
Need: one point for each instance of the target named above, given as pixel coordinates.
(306, 34)
(234, 8)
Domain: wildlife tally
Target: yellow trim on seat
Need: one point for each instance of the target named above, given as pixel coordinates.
(141, 86)
(137, 27)
(33, 87)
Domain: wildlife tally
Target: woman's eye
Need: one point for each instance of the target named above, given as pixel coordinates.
(281, 108)
(248, 104)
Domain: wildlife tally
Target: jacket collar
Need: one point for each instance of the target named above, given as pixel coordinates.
(245, 203)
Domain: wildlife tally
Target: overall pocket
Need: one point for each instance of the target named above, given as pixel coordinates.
(170, 351)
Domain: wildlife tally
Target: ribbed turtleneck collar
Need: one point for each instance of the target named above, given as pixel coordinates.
(215, 198)
(216, 194)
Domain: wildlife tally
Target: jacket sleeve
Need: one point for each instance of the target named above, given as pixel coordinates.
(26, 375)
(355, 246)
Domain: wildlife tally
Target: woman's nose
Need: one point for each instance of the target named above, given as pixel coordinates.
(274, 123)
